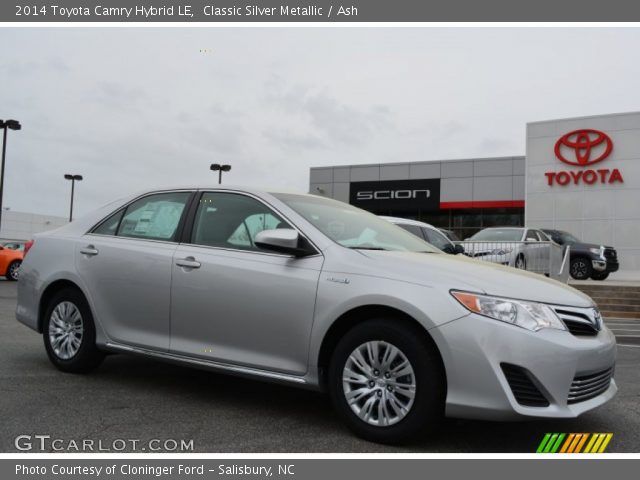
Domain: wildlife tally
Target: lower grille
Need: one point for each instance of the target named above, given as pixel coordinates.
(585, 387)
(522, 386)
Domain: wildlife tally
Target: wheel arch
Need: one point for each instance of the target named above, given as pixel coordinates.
(49, 292)
(360, 314)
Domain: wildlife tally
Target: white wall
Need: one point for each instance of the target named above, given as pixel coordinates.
(600, 213)
(22, 226)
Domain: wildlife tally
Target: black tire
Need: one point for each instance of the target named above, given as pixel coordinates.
(13, 270)
(600, 275)
(521, 262)
(580, 268)
(426, 412)
(87, 356)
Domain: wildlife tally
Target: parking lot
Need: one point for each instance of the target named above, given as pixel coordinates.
(135, 398)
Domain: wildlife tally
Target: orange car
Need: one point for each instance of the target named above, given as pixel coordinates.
(10, 261)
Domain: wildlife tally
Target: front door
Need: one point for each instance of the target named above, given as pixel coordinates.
(231, 301)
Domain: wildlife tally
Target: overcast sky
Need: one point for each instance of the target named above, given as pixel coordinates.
(136, 108)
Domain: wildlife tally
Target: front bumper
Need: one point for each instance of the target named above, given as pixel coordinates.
(474, 348)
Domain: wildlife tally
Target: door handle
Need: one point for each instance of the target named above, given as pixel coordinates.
(89, 250)
(188, 262)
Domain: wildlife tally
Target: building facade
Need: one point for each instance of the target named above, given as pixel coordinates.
(581, 175)
(463, 196)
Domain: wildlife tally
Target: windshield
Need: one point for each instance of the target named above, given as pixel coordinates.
(498, 235)
(352, 227)
(566, 237)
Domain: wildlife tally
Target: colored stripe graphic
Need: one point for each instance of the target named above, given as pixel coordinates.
(574, 443)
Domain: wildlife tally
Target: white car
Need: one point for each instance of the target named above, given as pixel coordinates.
(519, 247)
(426, 232)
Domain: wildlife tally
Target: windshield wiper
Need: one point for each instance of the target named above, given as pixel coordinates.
(368, 248)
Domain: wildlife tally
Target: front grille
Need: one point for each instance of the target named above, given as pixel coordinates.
(580, 321)
(589, 386)
(610, 254)
(522, 386)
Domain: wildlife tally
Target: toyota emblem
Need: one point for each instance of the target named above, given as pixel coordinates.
(583, 147)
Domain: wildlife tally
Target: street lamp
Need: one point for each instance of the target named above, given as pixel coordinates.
(73, 179)
(4, 125)
(216, 167)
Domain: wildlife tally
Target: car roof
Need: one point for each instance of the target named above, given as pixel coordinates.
(407, 221)
(508, 228)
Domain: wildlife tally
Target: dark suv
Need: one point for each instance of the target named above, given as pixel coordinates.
(588, 260)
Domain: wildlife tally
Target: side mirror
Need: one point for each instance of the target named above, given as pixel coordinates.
(283, 240)
(458, 249)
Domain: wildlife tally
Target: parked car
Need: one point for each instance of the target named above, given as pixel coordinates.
(587, 260)
(315, 293)
(14, 246)
(10, 261)
(512, 246)
(427, 232)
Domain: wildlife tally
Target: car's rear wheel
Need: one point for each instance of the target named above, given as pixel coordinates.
(386, 382)
(13, 270)
(69, 333)
(600, 275)
(580, 268)
(521, 262)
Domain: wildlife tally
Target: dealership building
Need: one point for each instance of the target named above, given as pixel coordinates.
(581, 175)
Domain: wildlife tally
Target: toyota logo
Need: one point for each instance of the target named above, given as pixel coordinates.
(583, 147)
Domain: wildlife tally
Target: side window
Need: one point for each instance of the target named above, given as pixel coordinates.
(230, 220)
(541, 236)
(110, 225)
(436, 239)
(412, 229)
(531, 236)
(154, 217)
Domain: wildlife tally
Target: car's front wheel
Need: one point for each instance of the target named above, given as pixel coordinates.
(580, 268)
(69, 333)
(386, 382)
(13, 270)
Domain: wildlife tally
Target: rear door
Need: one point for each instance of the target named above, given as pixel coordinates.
(126, 265)
(234, 303)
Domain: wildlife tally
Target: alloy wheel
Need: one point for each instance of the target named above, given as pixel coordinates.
(379, 383)
(66, 330)
(14, 270)
(579, 269)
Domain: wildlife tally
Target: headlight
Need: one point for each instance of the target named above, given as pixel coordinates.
(596, 251)
(530, 315)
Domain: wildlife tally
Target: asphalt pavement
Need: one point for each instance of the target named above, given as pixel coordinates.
(133, 398)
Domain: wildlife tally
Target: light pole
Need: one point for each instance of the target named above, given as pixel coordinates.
(73, 179)
(4, 125)
(216, 167)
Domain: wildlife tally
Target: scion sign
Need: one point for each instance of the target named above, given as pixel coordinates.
(396, 195)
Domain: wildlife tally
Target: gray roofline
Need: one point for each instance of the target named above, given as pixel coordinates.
(584, 117)
(418, 162)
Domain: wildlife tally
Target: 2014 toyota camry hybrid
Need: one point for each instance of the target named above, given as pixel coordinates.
(316, 293)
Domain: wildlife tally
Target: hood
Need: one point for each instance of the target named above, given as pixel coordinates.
(581, 246)
(451, 272)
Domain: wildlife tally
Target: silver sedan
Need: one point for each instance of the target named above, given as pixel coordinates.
(315, 293)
